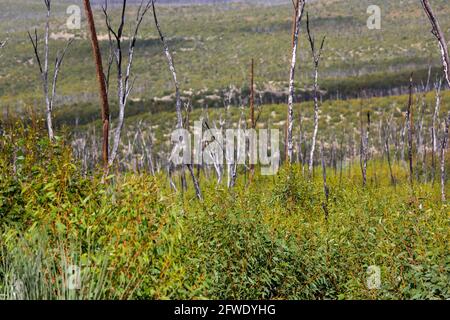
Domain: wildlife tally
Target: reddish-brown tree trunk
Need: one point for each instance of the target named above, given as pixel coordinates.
(101, 81)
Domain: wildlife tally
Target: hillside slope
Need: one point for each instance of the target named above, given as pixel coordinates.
(213, 46)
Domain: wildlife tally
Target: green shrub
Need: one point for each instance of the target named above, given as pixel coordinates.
(269, 239)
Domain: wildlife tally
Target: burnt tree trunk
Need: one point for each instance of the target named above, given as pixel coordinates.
(101, 82)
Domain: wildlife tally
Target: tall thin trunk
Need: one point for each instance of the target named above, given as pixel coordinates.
(316, 123)
(443, 149)
(437, 32)
(252, 110)
(51, 135)
(101, 82)
(421, 148)
(341, 157)
(433, 130)
(409, 124)
(325, 186)
(366, 147)
(294, 26)
(290, 125)
(177, 94)
(49, 95)
(316, 60)
(124, 86)
(363, 158)
(388, 153)
(300, 141)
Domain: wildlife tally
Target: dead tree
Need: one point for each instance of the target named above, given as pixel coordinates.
(443, 148)
(300, 158)
(341, 157)
(434, 138)
(366, 146)
(227, 107)
(402, 142)
(49, 95)
(364, 151)
(252, 110)
(124, 82)
(437, 32)
(102, 83)
(409, 126)
(421, 150)
(326, 190)
(214, 156)
(387, 149)
(233, 167)
(147, 148)
(177, 94)
(299, 9)
(316, 59)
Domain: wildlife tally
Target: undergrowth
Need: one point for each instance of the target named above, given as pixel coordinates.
(134, 238)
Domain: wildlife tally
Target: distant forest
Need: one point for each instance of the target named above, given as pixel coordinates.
(184, 2)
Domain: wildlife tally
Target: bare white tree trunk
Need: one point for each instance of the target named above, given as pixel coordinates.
(45, 74)
(124, 86)
(177, 93)
(443, 149)
(326, 190)
(300, 142)
(316, 125)
(385, 130)
(420, 139)
(435, 115)
(316, 59)
(409, 126)
(227, 125)
(434, 138)
(238, 154)
(364, 151)
(44, 69)
(437, 32)
(298, 18)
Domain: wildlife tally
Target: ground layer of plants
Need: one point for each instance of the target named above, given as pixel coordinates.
(133, 237)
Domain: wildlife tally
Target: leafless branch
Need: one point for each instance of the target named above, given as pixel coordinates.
(438, 33)
(35, 42)
(177, 94)
(316, 59)
(58, 62)
(124, 85)
(44, 68)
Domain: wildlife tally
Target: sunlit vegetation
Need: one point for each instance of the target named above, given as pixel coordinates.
(135, 238)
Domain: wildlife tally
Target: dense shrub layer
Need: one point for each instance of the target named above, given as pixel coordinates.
(133, 237)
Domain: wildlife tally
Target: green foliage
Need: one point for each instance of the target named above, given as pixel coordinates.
(32, 269)
(292, 190)
(134, 238)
